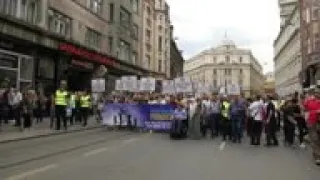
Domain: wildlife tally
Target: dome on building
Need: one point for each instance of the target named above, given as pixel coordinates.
(227, 42)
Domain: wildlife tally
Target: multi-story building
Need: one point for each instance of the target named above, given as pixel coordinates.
(156, 37)
(286, 9)
(227, 64)
(287, 56)
(310, 41)
(269, 83)
(176, 59)
(42, 42)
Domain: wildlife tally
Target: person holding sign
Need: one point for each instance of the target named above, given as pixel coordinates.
(179, 122)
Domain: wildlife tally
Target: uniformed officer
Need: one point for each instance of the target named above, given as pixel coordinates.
(60, 101)
(85, 105)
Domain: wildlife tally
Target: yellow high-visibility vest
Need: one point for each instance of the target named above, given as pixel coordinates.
(60, 98)
(225, 111)
(85, 101)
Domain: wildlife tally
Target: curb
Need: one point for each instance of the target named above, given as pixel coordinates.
(50, 134)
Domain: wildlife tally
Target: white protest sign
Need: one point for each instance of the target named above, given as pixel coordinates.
(233, 89)
(98, 85)
(119, 85)
(222, 90)
(168, 87)
(183, 84)
(130, 82)
(147, 84)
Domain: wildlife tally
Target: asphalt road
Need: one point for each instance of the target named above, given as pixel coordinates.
(153, 156)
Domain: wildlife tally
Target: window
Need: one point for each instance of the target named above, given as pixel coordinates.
(95, 6)
(26, 10)
(9, 7)
(148, 47)
(159, 43)
(124, 49)
(215, 83)
(214, 72)
(46, 68)
(135, 6)
(240, 59)
(160, 3)
(240, 71)
(93, 38)
(59, 23)
(160, 65)
(160, 28)
(148, 35)
(148, 10)
(110, 44)
(124, 18)
(134, 57)
(135, 31)
(214, 59)
(160, 17)
(227, 59)
(147, 61)
(26, 72)
(111, 12)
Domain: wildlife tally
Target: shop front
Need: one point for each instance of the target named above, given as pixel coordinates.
(83, 65)
(16, 69)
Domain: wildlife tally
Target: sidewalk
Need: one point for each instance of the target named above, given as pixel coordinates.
(10, 133)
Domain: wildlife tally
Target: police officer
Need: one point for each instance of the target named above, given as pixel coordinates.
(60, 101)
(225, 122)
(85, 105)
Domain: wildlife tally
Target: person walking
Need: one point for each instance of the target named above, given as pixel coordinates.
(215, 113)
(28, 106)
(225, 121)
(256, 111)
(312, 107)
(85, 105)
(271, 123)
(195, 110)
(60, 100)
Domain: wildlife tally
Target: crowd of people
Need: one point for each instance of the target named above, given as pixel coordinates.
(230, 117)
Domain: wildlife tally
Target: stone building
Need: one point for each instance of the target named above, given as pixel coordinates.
(70, 39)
(156, 37)
(227, 64)
(287, 56)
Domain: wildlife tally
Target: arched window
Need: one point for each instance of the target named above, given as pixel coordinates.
(227, 59)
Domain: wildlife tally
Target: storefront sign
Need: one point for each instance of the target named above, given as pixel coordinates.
(92, 56)
(83, 64)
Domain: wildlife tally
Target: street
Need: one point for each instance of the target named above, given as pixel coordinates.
(100, 155)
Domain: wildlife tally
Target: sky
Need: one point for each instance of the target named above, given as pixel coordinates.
(202, 24)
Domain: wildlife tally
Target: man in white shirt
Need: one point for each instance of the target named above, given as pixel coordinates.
(15, 98)
(256, 111)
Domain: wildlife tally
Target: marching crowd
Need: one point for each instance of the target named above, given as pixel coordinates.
(228, 117)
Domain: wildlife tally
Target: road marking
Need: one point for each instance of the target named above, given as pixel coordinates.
(32, 172)
(131, 140)
(222, 146)
(94, 152)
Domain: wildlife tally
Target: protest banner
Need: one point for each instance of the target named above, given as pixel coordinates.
(233, 89)
(148, 117)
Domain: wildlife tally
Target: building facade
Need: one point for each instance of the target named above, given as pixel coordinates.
(287, 56)
(227, 64)
(156, 37)
(310, 41)
(269, 83)
(176, 60)
(42, 42)
(286, 9)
